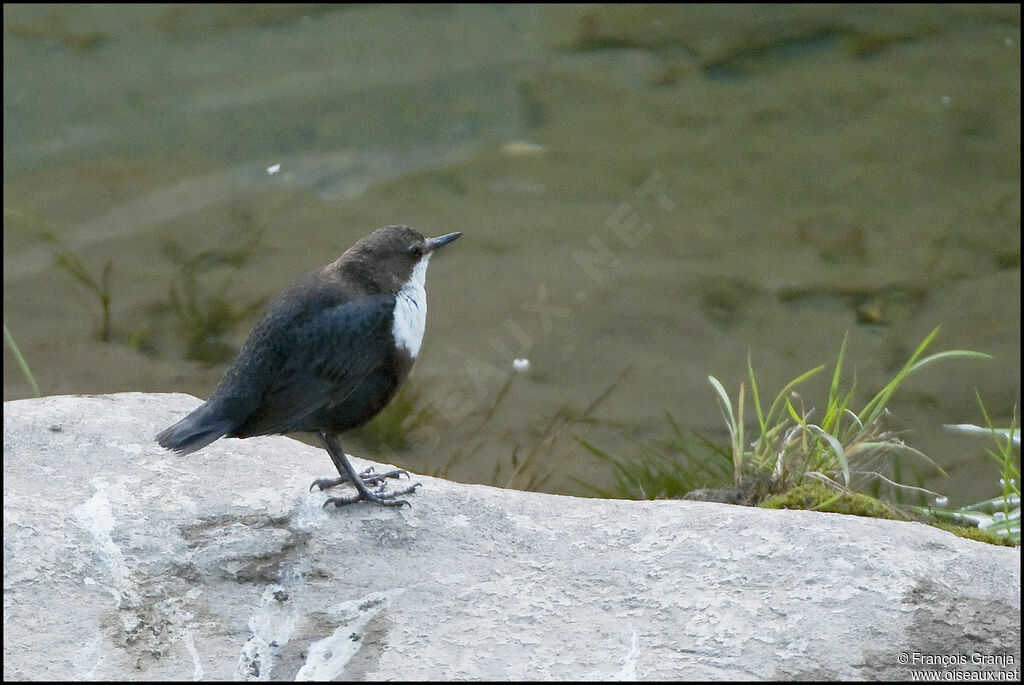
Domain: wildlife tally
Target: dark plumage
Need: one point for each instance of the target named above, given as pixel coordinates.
(329, 353)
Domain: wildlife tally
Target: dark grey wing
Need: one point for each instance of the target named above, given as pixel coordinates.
(319, 359)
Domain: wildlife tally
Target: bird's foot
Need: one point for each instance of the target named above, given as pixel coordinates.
(367, 476)
(378, 495)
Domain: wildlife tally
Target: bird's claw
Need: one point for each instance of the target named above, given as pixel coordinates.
(387, 499)
(367, 475)
(370, 478)
(324, 483)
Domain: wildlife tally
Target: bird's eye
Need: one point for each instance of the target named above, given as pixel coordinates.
(416, 250)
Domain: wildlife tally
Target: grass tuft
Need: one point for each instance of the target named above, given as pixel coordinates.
(798, 460)
(98, 288)
(206, 315)
(404, 413)
(791, 446)
(671, 468)
(1000, 515)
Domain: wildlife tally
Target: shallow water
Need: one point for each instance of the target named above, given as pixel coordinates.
(646, 193)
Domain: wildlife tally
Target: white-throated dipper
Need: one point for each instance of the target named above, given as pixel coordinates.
(329, 353)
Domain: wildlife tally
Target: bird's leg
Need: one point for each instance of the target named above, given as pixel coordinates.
(361, 480)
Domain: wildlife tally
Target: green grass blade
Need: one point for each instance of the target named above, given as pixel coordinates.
(756, 396)
(21, 361)
(838, 450)
(874, 408)
(833, 390)
(738, 442)
(725, 404)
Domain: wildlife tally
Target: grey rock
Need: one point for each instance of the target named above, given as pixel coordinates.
(123, 561)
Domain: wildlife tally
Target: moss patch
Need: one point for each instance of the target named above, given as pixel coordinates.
(819, 497)
(972, 533)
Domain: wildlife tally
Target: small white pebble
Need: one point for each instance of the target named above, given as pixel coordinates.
(941, 501)
(946, 100)
(273, 169)
(521, 365)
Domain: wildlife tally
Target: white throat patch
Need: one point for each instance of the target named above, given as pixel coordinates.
(411, 310)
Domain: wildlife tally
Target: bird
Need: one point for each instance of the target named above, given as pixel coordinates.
(327, 355)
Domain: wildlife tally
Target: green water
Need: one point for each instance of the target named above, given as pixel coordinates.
(646, 193)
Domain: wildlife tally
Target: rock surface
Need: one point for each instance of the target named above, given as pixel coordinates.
(123, 561)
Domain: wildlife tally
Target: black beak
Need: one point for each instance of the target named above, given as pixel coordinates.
(434, 243)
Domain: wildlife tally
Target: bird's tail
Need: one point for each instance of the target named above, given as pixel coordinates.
(197, 430)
